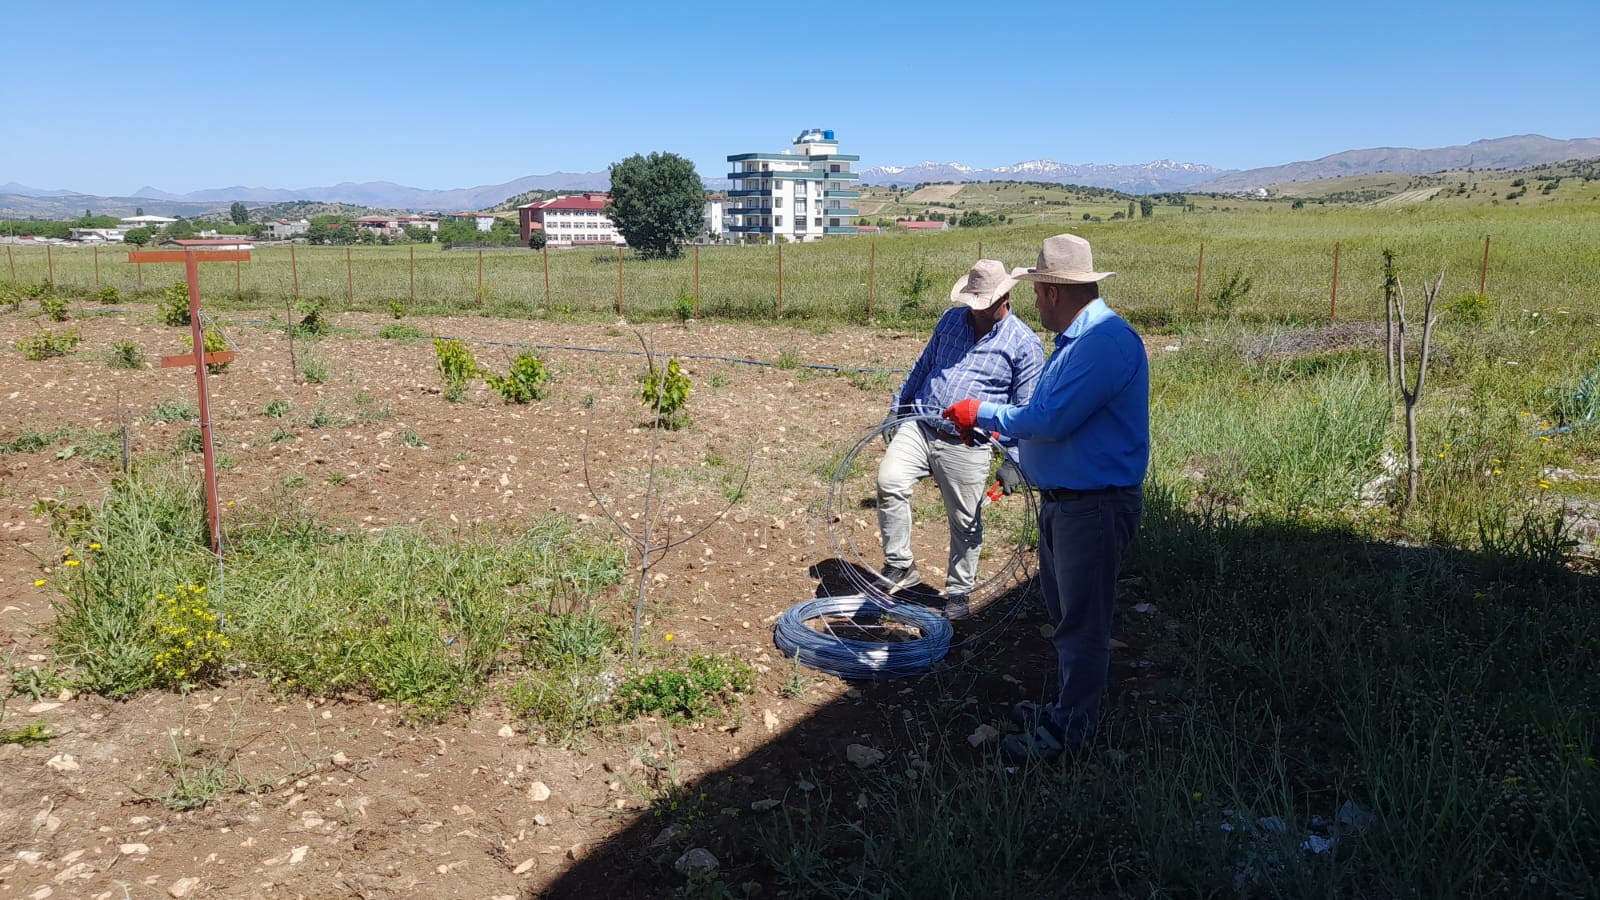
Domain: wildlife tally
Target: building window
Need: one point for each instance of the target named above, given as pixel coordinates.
(777, 221)
(818, 222)
(778, 202)
(833, 167)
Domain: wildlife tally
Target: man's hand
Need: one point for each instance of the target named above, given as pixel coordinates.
(964, 415)
(1010, 476)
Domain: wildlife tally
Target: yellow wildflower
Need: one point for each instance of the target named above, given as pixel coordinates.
(72, 562)
(39, 582)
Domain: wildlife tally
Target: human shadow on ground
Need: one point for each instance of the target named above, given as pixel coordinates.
(1185, 568)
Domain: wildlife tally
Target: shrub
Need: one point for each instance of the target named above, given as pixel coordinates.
(400, 332)
(277, 408)
(701, 685)
(457, 367)
(396, 309)
(190, 649)
(215, 342)
(10, 297)
(665, 393)
(1470, 308)
(526, 381)
(108, 294)
(54, 306)
(1235, 288)
(125, 355)
(683, 306)
(172, 306)
(46, 344)
(911, 290)
(312, 323)
(313, 368)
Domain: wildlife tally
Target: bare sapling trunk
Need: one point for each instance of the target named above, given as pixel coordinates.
(1412, 395)
(649, 550)
(288, 325)
(1390, 283)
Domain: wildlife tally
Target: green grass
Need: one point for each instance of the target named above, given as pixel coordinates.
(1537, 258)
(401, 616)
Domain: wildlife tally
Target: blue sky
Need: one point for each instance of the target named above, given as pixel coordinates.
(295, 95)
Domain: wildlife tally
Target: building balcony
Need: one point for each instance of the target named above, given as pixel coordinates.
(841, 194)
(753, 193)
(753, 229)
(748, 211)
(841, 211)
(840, 176)
(839, 229)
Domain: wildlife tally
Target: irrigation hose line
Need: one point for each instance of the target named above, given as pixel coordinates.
(857, 659)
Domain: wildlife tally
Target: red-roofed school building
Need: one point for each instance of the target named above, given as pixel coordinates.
(570, 220)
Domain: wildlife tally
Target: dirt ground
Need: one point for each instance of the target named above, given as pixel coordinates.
(348, 798)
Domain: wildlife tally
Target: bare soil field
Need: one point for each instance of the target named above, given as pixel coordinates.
(343, 797)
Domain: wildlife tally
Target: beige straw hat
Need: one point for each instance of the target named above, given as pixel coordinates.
(983, 284)
(1064, 259)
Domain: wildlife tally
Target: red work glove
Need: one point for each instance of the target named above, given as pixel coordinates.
(964, 415)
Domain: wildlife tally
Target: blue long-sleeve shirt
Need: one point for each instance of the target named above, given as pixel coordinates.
(1088, 424)
(1003, 366)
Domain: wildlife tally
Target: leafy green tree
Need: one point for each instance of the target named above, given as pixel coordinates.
(238, 213)
(138, 210)
(537, 239)
(1147, 208)
(139, 236)
(657, 203)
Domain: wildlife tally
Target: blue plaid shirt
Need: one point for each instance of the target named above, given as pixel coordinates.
(1003, 367)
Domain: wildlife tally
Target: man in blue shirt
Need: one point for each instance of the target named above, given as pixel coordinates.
(980, 350)
(1085, 444)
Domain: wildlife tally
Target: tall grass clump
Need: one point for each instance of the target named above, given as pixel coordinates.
(403, 616)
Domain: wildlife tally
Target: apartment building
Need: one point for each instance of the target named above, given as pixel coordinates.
(800, 194)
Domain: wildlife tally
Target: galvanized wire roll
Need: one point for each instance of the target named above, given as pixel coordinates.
(826, 651)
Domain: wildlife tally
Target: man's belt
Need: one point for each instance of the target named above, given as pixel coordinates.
(1059, 494)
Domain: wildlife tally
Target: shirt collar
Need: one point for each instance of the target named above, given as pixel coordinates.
(1088, 318)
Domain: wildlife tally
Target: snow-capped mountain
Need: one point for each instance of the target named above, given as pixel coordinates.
(1152, 177)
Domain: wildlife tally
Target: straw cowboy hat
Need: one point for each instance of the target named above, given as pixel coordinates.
(985, 283)
(1063, 259)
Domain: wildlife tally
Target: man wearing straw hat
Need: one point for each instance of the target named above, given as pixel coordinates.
(1085, 445)
(978, 349)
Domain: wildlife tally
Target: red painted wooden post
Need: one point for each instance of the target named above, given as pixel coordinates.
(198, 358)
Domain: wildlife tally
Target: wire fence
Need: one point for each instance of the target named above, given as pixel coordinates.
(846, 279)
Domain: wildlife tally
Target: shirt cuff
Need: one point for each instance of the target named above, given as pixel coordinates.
(987, 412)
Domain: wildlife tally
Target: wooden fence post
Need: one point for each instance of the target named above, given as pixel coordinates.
(697, 281)
(97, 266)
(780, 279)
(294, 271)
(11, 262)
(872, 277)
(238, 281)
(1483, 270)
(50, 261)
(1333, 300)
(619, 282)
(138, 274)
(546, 251)
(412, 282)
(1199, 276)
(480, 276)
(349, 277)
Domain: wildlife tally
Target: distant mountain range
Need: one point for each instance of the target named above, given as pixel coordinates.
(1514, 152)
(21, 201)
(1149, 178)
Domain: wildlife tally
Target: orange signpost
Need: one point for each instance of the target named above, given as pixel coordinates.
(199, 358)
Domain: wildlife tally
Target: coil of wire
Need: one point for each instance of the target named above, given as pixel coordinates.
(850, 658)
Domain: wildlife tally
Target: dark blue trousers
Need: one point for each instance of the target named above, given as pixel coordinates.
(1081, 546)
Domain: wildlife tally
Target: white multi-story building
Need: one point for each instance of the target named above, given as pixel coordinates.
(801, 194)
(570, 220)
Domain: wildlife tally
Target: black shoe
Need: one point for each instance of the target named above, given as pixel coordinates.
(900, 577)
